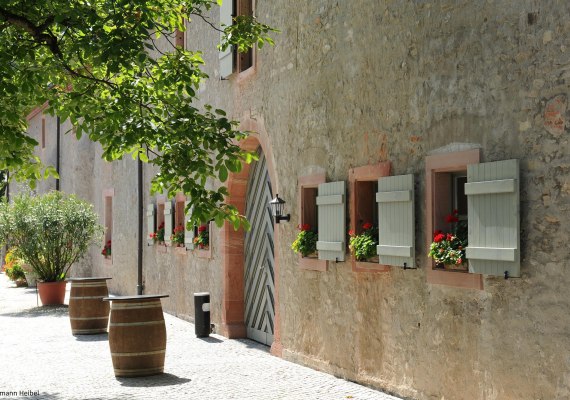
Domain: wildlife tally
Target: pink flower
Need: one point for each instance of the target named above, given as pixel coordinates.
(459, 261)
(351, 232)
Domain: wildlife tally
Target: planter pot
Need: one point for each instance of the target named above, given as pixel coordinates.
(52, 293)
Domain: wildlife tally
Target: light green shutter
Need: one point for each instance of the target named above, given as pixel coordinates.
(332, 221)
(226, 56)
(188, 233)
(150, 222)
(396, 222)
(493, 217)
(168, 222)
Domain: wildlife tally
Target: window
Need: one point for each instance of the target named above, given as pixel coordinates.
(363, 185)
(243, 61)
(445, 191)
(108, 224)
(231, 60)
(203, 240)
(308, 215)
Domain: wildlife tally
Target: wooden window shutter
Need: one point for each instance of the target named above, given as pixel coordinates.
(332, 221)
(168, 222)
(396, 221)
(188, 233)
(150, 222)
(492, 191)
(226, 56)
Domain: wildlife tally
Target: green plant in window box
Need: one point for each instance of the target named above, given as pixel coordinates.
(203, 238)
(448, 248)
(363, 246)
(306, 241)
(177, 236)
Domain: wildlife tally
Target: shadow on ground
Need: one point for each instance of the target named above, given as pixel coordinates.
(153, 381)
(102, 337)
(42, 311)
(210, 339)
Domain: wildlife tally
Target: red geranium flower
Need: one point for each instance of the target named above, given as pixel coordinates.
(202, 228)
(367, 225)
(439, 237)
(351, 232)
(305, 227)
(449, 237)
(435, 233)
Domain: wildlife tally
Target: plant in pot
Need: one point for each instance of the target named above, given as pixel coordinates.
(306, 241)
(50, 233)
(177, 236)
(448, 248)
(363, 245)
(203, 238)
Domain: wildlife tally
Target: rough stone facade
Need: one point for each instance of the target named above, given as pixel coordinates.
(355, 83)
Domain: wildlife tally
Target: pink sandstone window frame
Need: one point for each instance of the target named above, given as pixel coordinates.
(310, 182)
(367, 173)
(439, 164)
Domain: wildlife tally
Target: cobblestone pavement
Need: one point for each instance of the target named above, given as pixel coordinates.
(39, 358)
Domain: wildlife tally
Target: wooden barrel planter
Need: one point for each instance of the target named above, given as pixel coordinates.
(88, 313)
(137, 335)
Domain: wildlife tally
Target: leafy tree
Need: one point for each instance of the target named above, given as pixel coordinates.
(98, 63)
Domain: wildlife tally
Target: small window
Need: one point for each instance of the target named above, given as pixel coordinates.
(308, 216)
(179, 220)
(160, 221)
(243, 61)
(202, 236)
(108, 224)
(363, 185)
(446, 211)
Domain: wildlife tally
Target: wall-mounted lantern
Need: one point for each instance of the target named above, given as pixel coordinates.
(277, 208)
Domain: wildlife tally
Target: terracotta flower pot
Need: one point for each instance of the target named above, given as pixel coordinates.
(52, 293)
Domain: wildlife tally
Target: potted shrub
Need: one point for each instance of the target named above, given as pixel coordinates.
(363, 246)
(306, 241)
(49, 232)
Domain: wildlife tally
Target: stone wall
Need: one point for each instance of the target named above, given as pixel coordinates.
(354, 83)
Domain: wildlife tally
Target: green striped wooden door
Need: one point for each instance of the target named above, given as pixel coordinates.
(259, 278)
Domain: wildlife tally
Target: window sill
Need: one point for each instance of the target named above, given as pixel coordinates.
(366, 266)
(181, 251)
(312, 264)
(458, 279)
(161, 248)
(203, 253)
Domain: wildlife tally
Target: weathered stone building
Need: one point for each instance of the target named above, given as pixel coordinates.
(351, 92)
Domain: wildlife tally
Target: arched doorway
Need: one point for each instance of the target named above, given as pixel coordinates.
(259, 255)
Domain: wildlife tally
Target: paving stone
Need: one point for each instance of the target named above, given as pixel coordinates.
(41, 359)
